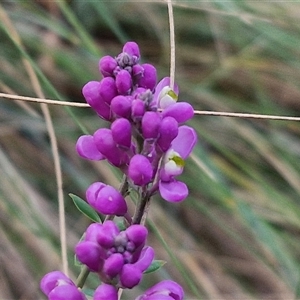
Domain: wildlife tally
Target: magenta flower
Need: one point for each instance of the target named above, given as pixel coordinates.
(57, 286)
(140, 170)
(164, 95)
(107, 65)
(106, 200)
(87, 149)
(116, 255)
(173, 162)
(105, 292)
(164, 290)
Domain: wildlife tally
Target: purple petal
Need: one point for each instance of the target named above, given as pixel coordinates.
(106, 145)
(107, 64)
(148, 80)
(185, 141)
(91, 233)
(130, 276)
(173, 191)
(167, 132)
(140, 170)
(113, 265)
(92, 96)
(89, 253)
(106, 236)
(66, 292)
(145, 259)
(180, 111)
(110, 202)
(87, 149)
(123, 82)
(121, 132)
(150, 124)
(52, 279)
(137, 234)
(163, 83)
(165, 288)
(105, 292)
(121, 106)
(132, 49)
(108, 89)
(92, 192)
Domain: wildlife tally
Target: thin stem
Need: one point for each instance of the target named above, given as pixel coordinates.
(82, 276)
(141, 208)
(172, 44)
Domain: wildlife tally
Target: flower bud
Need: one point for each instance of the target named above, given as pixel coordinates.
(137, 109)
(106, 236)
(108, 89)
(106, 145)
(107, 65)
(123, 82)
(113, 265)
(140, 170)
(87, 149)
(52, 280)
(106, 292)
(106, 199)
(91, 93)
(167, 133)
(130, 276)
(166, 289)
(137, 234)
(66, 292)
(145, 259)
(137, 72)
(132, 49)
(180, 111)
(148, 80)
(121, 106)
(150, 124)
(89, 253)
(121, 132)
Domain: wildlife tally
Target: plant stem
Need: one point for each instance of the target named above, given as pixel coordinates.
(82, 276)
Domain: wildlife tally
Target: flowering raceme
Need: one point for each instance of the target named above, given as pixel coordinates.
(147, 141)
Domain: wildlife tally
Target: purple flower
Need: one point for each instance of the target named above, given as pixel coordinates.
(164, 95)
(106, 292)
(106, 200)
(121, 132)
(173, 162)
(121, 106)
(106, 144)
(92, 96)
(164, 290)
(116, 255)
(132, 49)
(140, 170)
(57, 286)
(148, 78)
(87, 149)
(107, 65)
(123, 82)
(168, 131)
(150, 124)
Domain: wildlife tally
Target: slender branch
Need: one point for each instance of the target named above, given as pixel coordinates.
(172, 44)
(42, 100)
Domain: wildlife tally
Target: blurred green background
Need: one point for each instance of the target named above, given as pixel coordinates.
(237, 235)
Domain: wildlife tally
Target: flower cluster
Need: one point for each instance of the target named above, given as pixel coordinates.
(148, 142)
(57, 286)
(118, 257)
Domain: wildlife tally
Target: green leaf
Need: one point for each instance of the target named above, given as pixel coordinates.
(85, 208)
(155, 265)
